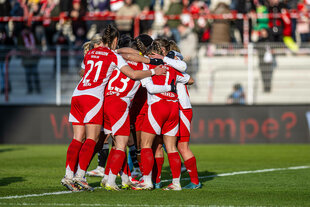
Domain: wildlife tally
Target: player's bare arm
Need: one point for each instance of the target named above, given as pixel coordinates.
(138, 74)
(127, 50)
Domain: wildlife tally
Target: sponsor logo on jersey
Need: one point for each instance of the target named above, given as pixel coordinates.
(101, 53)
(132, 62)
(169, 94)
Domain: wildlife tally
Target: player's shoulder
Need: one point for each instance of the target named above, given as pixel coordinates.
(100, 51)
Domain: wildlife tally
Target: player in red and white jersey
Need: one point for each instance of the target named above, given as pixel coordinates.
(118, 96)
(87, 104)
(174, 59)
(162, 118)
(186, 114)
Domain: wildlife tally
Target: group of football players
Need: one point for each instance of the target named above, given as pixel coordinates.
(134, 91)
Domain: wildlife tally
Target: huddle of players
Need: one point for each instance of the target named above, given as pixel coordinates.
(111, 88)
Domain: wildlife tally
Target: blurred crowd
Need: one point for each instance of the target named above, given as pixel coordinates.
(69, 23)
(71, 29)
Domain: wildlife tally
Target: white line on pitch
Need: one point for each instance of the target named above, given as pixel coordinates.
(202, 177)
(246, 172)
(103, 205)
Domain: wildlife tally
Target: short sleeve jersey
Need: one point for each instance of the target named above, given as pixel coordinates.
(121, 85)
(99, 65)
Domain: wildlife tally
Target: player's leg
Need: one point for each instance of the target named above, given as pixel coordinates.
(117, 161)
(107, 167)
(72, 156)
(119, 118)
(170, 130)
(147, 161)
(126, 175)
(190, 164)
(86, 153)
(159, 161)
(133, 155)
(184, 149)
(174, 162)
(103, 154)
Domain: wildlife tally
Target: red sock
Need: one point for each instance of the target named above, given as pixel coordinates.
(107, 166)
(86, 153)
(191, 167)
(73, 154)
(147, 160)
(159, 161)
(117, 161)
(175, 164)
(125, 167)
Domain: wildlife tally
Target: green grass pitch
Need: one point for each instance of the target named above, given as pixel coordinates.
(38, 169)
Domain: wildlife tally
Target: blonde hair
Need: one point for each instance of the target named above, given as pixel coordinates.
(174, 46)
(87, 46)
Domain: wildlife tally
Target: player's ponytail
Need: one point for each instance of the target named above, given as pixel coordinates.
(141, 47)
(109, 34)
(164, 43)
(155, 48)
(142, 42)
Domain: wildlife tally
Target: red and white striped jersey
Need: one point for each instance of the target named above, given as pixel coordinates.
(99, 65)
(121, 85)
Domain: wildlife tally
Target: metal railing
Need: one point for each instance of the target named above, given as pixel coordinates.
(284, 78)
(262, 73)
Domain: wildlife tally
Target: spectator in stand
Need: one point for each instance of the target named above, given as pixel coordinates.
(97, 7)
(6, 44)
(146, 25)
(166, 33)
(303, 23)
(292, 5)
(62, 40)
(34, 9)
(5, 8)
(65, 7)
(199, 8)
(129, 10)
(30, 59)
(50, 8)
(78, 24)
(188, 45)
(214, 3)
(244, 7)
(144, 3)
(267, 61)
(19, 9)
(79, 29)
(276, 24)
(237, 96)
(175, 8)
(115, 5)
(220, 28)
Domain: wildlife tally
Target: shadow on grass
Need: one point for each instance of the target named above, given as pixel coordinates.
(204, 176)
(9, 180)
(10, 149)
